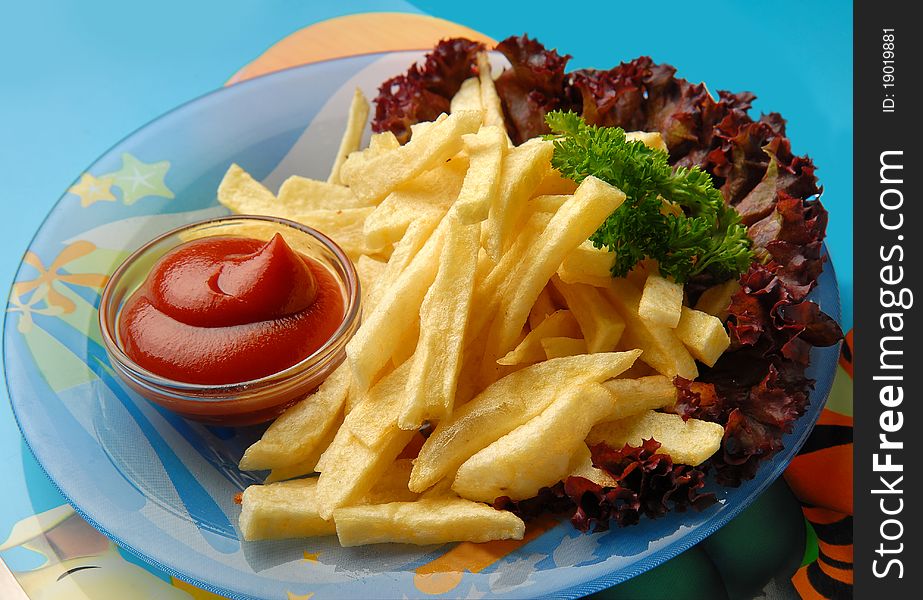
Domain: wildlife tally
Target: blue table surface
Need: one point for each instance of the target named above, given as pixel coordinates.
(78, 76)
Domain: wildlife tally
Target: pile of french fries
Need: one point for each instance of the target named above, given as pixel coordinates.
(489, 322)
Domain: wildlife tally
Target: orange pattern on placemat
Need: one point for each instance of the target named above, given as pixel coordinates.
(353, 35)
(445, 573)
(821, 477)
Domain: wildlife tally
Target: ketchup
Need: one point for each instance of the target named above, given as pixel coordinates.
(230, 309)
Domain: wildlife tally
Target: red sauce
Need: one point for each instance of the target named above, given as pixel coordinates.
(230, 309)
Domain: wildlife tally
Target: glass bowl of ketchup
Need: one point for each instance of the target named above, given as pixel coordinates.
(231, 320)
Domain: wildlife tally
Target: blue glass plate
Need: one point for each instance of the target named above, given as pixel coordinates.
(163, 488)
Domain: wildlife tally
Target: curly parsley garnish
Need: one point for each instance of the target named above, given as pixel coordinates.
(675, 216)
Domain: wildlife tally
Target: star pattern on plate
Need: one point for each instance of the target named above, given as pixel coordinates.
(138, 179)
(92, 189)
(311, 556)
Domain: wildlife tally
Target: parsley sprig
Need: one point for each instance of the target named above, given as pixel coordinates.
(705, 236)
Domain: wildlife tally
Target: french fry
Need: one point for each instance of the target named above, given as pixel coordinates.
(544, 306)
(490, 100)
(242, 194)
(352, 135)
(559, 324)
(430, 195)
(662, 349)
(717, 299)
(300, 194)
(485, 150)
(308, 464)
(688, 442)
(370, 272)
(661, 301)
(405, 250)
(426, 521)
(468, 96)
(282, 510)
(522, 170)
(581, 465)
(371, 347)
(505, 405)
(392, 486)
(489, 293)
(557, 347)
(587, 264)
(364, 447)
(381, 174)
(430, 392)
(633, 396)
(293, 437)
(592, 203)
(549, 202)
(536, 454)
(345, 227)
(651, 139)
(382, 142)
(289, 509)
(553, 183)
(601, 325)
(703, 335)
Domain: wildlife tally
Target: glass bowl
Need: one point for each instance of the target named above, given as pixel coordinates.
(247, 402)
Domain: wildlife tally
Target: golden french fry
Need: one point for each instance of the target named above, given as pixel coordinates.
(383, 173)
(536, 454)
(345, 227)
(661, 301)
(405, 250)
(370, 272)
(638, 370)
(505, 405)
(549, 202)
(601, 325)
(587, 264)
(352, 135)
(633, 396)
(392, 486)
(428, 196)
(662, 349)
(688, 442)
(556, 347)
(430, 392)
(717, 299)
(592, 203)
(490, 100)
(485, 150)
(308, 464)
(381, 142)
(703, 335)
(365, 446)
(294, 436)
(544, 306)
(559, 324)
(581, 465)
(468, 96)
(300, 194)
(554, 184)
(371, 348)
(489, 292)
(244, 195)
(650, 139)
(282, 510)
(426, 521)
(522, 170)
